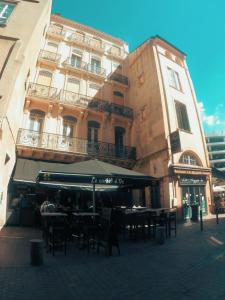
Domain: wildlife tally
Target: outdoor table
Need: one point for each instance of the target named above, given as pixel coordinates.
(53, 214)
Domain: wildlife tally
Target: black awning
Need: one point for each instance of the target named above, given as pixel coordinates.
(86, 172)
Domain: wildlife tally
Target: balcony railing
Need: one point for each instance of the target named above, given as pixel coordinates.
(57, 142)
(117, 54)
(81, 65)
(119, 78)
(50, 56)
(76, 99)
(121, 110)
(87, 42)
(41, 91)
(54, 30)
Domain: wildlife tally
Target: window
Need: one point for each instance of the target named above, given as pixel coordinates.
(95, 66)
(5, 11)
(174, 80)
(44, 77)
(115, 51)
(189, 159)
(36, 120)
(52, 47)
(69, 123)
(73, 85)
(93, 144)
(96, 43)
(76, 61)
(118, 94)
(182, 117)
(119, 140)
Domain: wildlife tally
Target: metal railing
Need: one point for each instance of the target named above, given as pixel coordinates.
(86, 41)
(76, 64)
(121, 110)
(119, 54)
(119, 78)
(42, 91)
(77, 99)
(55, 142)
(48, 55)
(80, 100)
(56, 31)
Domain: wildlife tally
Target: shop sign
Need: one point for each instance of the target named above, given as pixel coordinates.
(175, 142)
(192, 181)
(108, 180)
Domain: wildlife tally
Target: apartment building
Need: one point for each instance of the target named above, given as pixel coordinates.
(19, 48)
(82, 96)
(216, 149)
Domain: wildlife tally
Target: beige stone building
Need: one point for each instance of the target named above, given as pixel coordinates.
(81, 95)
(19, 49)
(167, 130)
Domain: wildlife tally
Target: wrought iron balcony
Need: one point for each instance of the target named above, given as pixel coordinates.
(55, 142)
(121, 110)
(54, 30)
(42, 91)
(79, 100)
(76, 64)
(119, 78)
(96, 70)
(78, 39)
(118, 54)
(82, 40)
(50, 56)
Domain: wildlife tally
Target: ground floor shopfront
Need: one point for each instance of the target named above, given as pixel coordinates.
(193, 191)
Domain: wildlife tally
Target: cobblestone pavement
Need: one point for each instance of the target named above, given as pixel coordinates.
(190, 266)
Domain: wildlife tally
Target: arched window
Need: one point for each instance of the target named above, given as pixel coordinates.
(69, 123)
(44, 77)
(118, 94)
(36, 120)
(188, 158)
(118, 97)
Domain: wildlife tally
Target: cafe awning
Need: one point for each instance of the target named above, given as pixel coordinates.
(77, 174)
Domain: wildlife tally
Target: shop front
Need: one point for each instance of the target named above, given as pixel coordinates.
(193, 193)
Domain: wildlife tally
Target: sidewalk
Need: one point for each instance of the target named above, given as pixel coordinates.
(190, 266)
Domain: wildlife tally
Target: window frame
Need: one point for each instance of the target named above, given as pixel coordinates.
(174, 76)
(182, 116)
(5, 19)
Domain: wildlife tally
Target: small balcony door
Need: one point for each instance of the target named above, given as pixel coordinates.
(93, 144)
(95, 66)
(119, 141)
(68, 131)
(76, 61)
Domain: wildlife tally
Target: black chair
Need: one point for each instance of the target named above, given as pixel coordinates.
(57, 239)
(172, 222)
(107, 234)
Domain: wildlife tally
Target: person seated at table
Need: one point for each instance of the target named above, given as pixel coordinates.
(47, 206)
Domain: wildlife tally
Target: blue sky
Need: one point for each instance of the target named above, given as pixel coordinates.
(196, 27)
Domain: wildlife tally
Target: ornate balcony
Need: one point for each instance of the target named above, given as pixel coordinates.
(86, 67)
(121, 110)
(49, 56)
(75, 64)
(58, 143)
(56, 32)
(83, 41)
(70, 98)
(116, 54)
(42, 91)
(119, 78)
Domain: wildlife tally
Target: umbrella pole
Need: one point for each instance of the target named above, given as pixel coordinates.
(93, 196)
